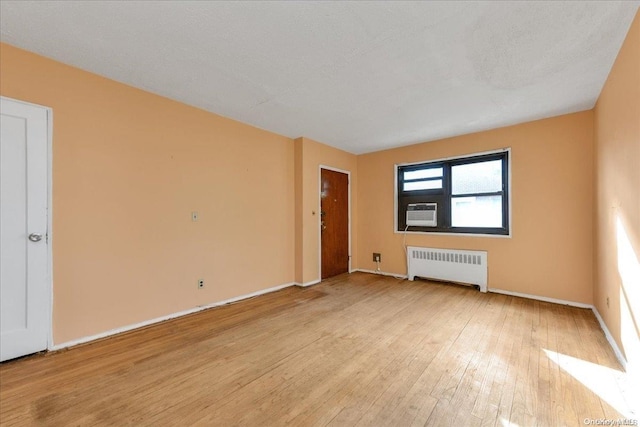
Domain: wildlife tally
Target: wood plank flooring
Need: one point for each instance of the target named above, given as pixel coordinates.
(357, 349)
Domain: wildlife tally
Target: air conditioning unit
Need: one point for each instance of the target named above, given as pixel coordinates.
(422, 215)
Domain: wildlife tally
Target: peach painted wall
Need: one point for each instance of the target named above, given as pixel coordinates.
(550, 251)
(313, 154)
(617, 250)
(128, 169)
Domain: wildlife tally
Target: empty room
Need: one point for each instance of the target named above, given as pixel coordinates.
(318, 213)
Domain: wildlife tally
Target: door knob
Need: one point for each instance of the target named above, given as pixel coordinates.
(35, 237)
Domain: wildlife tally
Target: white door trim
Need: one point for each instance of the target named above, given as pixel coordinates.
(49, 288)
(348, 173)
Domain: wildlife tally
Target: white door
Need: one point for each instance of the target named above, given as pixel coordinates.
(24, 283)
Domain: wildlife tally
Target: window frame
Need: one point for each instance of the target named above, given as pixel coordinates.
(443, 196)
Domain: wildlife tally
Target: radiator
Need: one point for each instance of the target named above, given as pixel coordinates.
(451, 265)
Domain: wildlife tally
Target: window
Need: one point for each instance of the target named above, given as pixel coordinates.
(471, 194)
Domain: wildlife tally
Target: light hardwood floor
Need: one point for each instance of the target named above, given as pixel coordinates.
(358, 349)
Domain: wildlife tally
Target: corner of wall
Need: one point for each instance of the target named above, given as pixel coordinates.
(617, 201)
(298, 195)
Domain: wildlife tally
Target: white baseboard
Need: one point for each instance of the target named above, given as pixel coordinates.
(612, 341)
(305, 284)
(382, 273)
(163, 318)
(541, 298)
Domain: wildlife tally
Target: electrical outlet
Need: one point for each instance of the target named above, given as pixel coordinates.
(194, 216)
(607, 302)
(377, 257)
(200, 284)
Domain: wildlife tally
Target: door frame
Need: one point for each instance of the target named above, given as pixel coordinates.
(348, 173)
(49, 234)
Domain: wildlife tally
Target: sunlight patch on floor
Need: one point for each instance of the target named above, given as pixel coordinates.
(602, 381)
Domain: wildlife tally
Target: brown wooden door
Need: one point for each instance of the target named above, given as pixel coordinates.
(334, 225)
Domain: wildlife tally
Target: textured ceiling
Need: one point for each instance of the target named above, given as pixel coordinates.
(361, 76)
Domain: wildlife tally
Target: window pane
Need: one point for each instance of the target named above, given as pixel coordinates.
(423, 173)
(484, 211)
(422, 185)
(483, 177)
